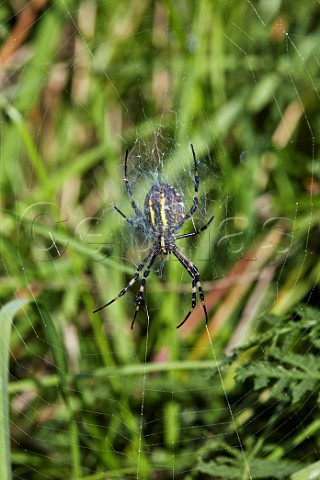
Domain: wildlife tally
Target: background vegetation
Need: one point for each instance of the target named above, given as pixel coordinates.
(83, 396)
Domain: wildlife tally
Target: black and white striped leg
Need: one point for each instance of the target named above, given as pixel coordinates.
(132, 281)
(193, 302)
(192, 234)
(124, 216)
(195, 195)
(196, 177)
(194, 273)
(201, 295)
(142, 285)
(128, 187)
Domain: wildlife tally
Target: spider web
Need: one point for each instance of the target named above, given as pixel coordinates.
(241, 84)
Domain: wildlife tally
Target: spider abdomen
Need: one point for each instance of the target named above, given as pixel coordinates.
(163, 207)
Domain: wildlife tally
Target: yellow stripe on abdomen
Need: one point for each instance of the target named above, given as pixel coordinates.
(162, 211)
(153, 221)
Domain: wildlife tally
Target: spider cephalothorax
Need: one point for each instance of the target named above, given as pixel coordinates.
(163, 217)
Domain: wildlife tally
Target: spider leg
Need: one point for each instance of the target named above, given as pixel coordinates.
(124, 216)
(132, 281)
(195, 195)
(128, 187)
(192, 234)
(193, 302)
(194, 273)
(142, 285)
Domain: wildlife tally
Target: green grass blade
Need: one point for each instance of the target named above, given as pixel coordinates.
(308, 473)
(60, 359)
(7, 314)
(56, 346)
(59, 355)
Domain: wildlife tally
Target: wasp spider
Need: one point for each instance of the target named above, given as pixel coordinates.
(163, 217)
